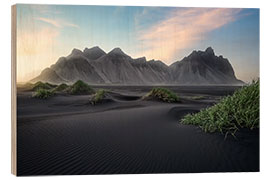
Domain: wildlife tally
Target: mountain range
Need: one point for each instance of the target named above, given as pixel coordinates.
(95, 66)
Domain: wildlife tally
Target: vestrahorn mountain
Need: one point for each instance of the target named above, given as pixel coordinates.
(94, 66)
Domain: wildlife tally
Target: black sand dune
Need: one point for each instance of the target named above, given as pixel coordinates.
(67, 135)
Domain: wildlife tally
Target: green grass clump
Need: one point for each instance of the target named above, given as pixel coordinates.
(41, 85)
(80, 88)
(162, 94)
(97, 97)
(240, 110)
(43, 93)
(60, 88)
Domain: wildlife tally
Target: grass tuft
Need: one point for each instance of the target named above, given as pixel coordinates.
(162, 94)
(43, 93)
(240, 110)
(80, 88)
(60, 88)
(41, 85)
(97, 97)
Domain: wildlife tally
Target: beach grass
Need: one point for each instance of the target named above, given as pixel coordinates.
(240, 110)
(43, 93)
(60, 88)
(98, 96)
(42, 85)
(80, 88)
(162, 94)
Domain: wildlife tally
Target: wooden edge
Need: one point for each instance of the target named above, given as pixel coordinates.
(13, 90)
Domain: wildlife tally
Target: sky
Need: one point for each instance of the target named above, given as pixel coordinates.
(47, 32)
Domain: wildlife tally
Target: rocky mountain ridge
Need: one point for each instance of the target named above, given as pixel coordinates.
(95, 66)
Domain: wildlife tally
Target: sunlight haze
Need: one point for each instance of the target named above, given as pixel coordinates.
(47, 32)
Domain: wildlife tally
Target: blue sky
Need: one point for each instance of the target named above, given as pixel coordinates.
(47, 32)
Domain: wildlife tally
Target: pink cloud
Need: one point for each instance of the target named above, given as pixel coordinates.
(50, 21)
(57, 23)
(182, 29)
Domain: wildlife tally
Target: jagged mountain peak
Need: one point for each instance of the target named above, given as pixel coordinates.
(157, 62)
(197, 55)
(204, 67)
(95, 48)
(210, 51)
(93, 53)
(140, 59)
(76, 52)
(117, 51)
(95, 66)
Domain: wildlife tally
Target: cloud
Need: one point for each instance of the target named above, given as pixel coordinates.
(182, 29)
(38, 46)
(50, 21)
(57, 23)
(70, 24)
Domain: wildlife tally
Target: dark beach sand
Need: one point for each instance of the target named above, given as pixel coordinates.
(67, 135)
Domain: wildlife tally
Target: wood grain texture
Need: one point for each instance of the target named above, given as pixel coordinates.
(13, 92)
